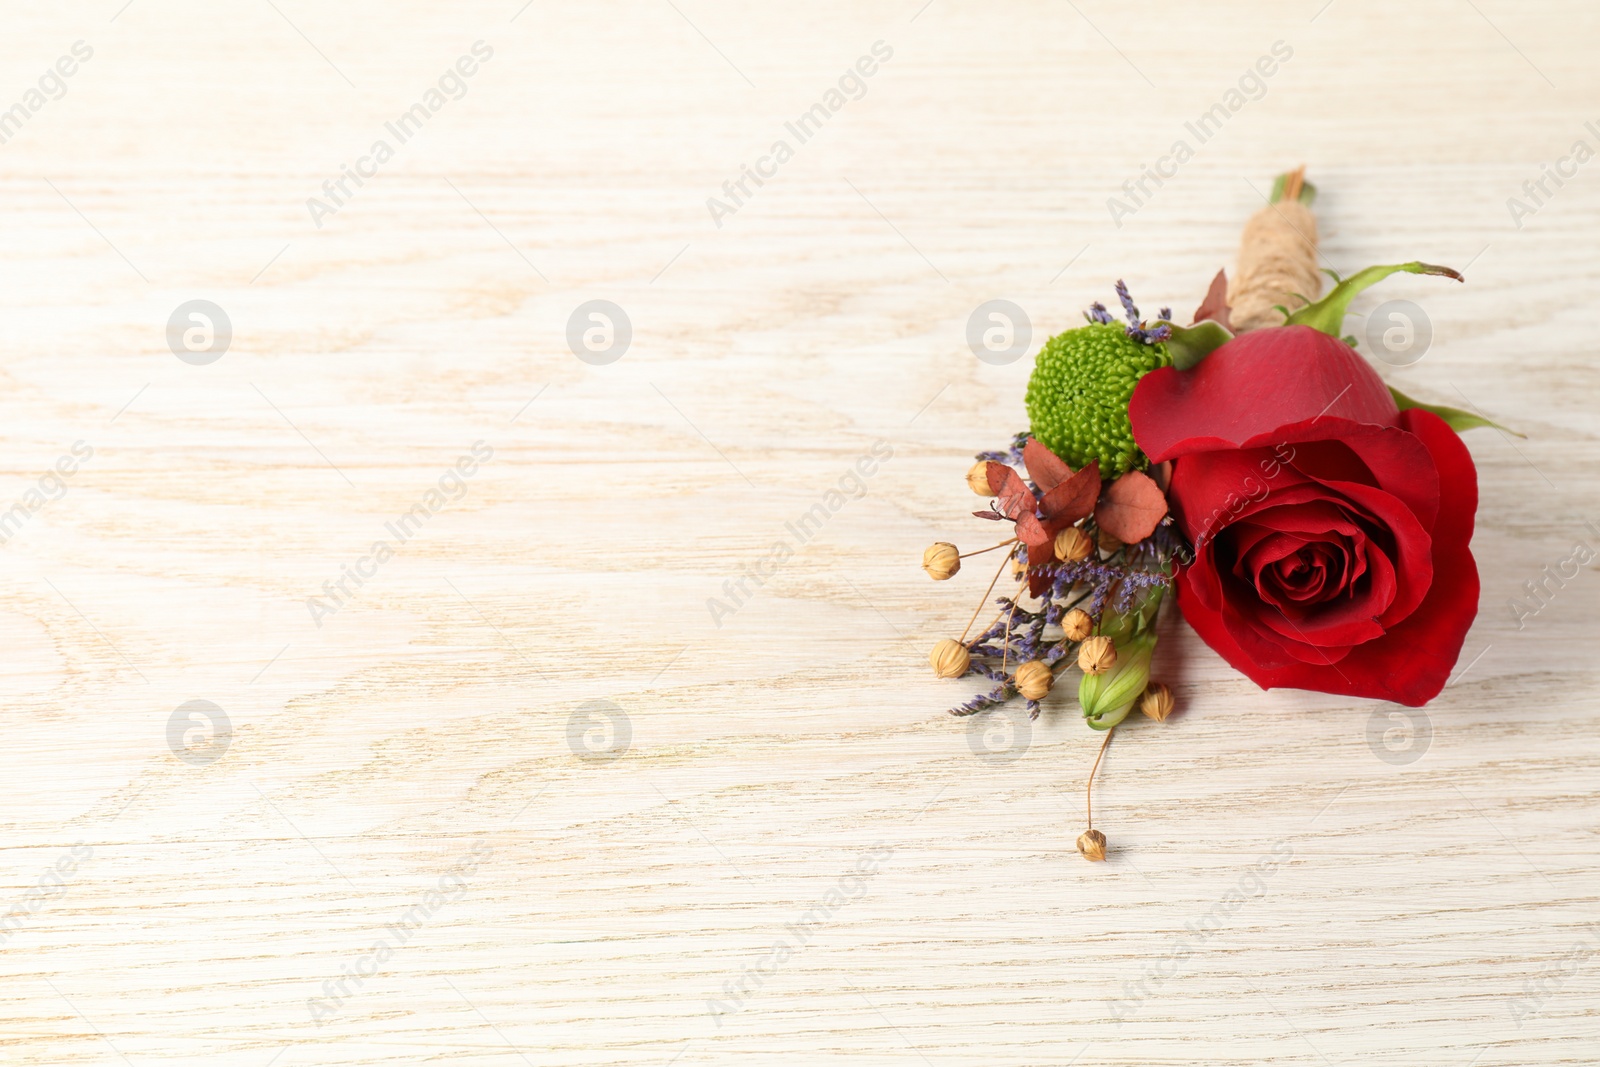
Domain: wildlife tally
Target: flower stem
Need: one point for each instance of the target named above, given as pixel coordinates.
(991, 548)
(1088, 792)
(1016, 596)
(985, 598)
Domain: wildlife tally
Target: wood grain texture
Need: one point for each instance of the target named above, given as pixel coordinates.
(1284, 895)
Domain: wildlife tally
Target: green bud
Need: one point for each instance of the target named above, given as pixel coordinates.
(1107, 698)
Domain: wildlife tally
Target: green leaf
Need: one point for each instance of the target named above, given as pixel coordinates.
(1328, 313)
(1457, 419)
(1188, 345)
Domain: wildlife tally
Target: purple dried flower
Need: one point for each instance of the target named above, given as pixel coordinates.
(1013, 455)
(993, 698)
(1128, 306)
(1136, 328)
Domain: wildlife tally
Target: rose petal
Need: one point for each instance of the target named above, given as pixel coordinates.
(1264, 646)
(1412, 546)
(1324, 461)
(1312, 519)
(1335, 622)
(1202, 573)
(1338, 619)
(1241, 391)
(1412, 661)
(1294, 573)
(1318, 574)
(1211, 490)
(1303, 631)
(1307, 577)
(1265, 551)
(1356, 452)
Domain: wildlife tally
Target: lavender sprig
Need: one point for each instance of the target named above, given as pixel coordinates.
(1136, 328)
(1129, 308)
(1012, 455)
(992, 699)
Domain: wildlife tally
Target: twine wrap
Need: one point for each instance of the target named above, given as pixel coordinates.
(1277, 260)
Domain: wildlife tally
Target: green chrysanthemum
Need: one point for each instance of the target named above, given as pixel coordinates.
(1078, 395)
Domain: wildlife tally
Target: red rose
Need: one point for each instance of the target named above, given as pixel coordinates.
(1330, 529)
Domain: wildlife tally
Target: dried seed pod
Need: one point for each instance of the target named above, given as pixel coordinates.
(1097, 655)
(1092, 843)
(1107, 543)
(978, 478)
(1156, 702)
(1072, 544)
(941, 560)
(1077, 624)
(950, 658)
(1034, 680)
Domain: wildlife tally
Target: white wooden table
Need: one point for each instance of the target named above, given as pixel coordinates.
(403, 849)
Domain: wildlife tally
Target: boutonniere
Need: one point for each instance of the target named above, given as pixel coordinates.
(1311, 523)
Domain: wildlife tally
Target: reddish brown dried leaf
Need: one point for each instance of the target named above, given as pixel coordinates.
(986, 514)
(1073, 498)
(1038, 581)
(1047, 469)
(1038, 538)
(1215, 305)
(1132, 507)
(1012, 493)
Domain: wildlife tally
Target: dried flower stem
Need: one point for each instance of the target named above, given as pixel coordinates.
(1006, 655)
(991, 548)
(985, 599)
(1293, 181)
(1088, 791)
